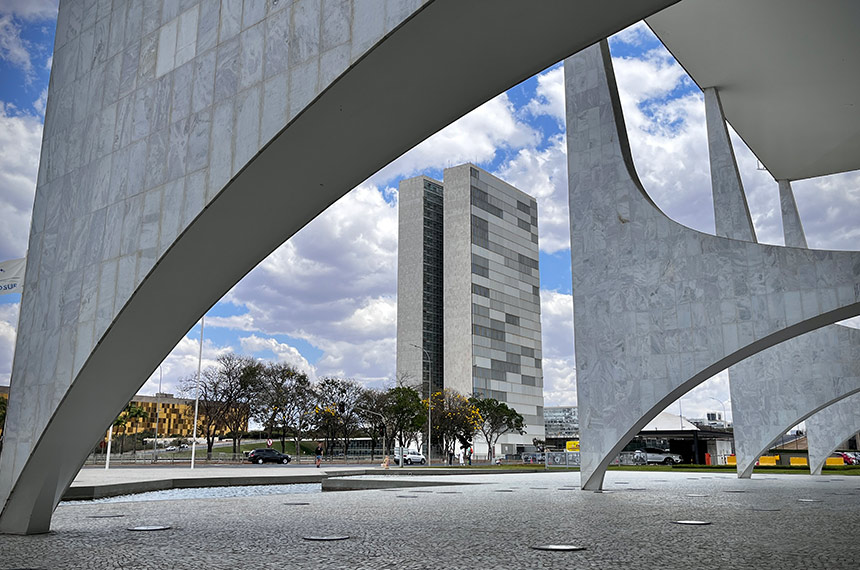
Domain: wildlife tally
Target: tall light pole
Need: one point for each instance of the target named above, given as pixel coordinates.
(725, 418)
(155, 445)
(197, 392)
(429, 400)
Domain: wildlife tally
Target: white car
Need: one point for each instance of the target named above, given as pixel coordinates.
(412, 456)
(656, 455)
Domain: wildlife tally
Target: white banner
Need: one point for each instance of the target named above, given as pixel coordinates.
(12, 275)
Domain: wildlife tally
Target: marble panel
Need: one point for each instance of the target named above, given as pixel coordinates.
(251, 58)
(231, 20)
(305, 31)
(277, 46)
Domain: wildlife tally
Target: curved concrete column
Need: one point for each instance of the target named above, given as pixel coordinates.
(826, 430)
(788, 383)
(181, 148)
(658, 307)
(785, 384)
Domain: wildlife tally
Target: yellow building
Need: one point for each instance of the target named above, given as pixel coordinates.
(175, 417)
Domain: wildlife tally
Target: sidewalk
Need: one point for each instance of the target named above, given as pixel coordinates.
(97, 482)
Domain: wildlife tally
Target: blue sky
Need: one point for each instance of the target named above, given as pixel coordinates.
(332, 310)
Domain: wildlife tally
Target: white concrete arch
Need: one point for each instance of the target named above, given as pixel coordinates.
(182, 147)
(783, 385)
(827, 429)
(658, 307)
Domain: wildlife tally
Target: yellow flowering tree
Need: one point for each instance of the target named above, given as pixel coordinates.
(455, 419)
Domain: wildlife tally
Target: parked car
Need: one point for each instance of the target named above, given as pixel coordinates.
(657, 455)
(847, 458)
(170, 448)
(412, 456)
(268, 456)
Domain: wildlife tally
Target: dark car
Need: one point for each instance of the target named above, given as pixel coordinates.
(268, 456)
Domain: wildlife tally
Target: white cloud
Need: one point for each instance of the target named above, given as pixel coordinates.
(559, 367)
(542, 173)
(283, 352)
(13, 48)
(638, 34)
(333, 285)
(8, 326)
(40, 103)
(830, 210)
(549, 94)
(30, 10)
(476, 137)
(181, 363)
(20, 143)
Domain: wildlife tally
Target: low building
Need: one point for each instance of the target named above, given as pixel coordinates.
(175, 417)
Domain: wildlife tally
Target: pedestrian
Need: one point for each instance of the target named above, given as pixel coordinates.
(462, 461)
(319, 453)
(470, 455)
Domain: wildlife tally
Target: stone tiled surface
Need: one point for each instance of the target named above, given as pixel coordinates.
(659, 308)
(474, 527)
(827, 429)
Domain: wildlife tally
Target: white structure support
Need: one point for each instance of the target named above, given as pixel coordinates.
(658, 307)
(829, 428)
(783, 385)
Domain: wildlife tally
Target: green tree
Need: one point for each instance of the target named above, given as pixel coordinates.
(210, 403)
(496, 419)
(240, 378)
(339, 399)
(404, 413)
(286, 398)
(372, 419)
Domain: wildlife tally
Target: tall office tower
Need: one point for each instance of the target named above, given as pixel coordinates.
(419, 284)
(487, 268)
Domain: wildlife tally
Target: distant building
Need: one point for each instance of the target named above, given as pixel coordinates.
(561, 424)
(468, 293)
(711, 419)
(175, 417)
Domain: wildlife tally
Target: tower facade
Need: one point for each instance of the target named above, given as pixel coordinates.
(490, 303)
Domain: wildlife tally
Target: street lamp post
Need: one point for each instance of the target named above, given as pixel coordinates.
(725, 419)
(155, 445)
(197, 392)
(429, 401)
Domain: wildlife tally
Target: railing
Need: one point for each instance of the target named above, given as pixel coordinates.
(572, 458)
